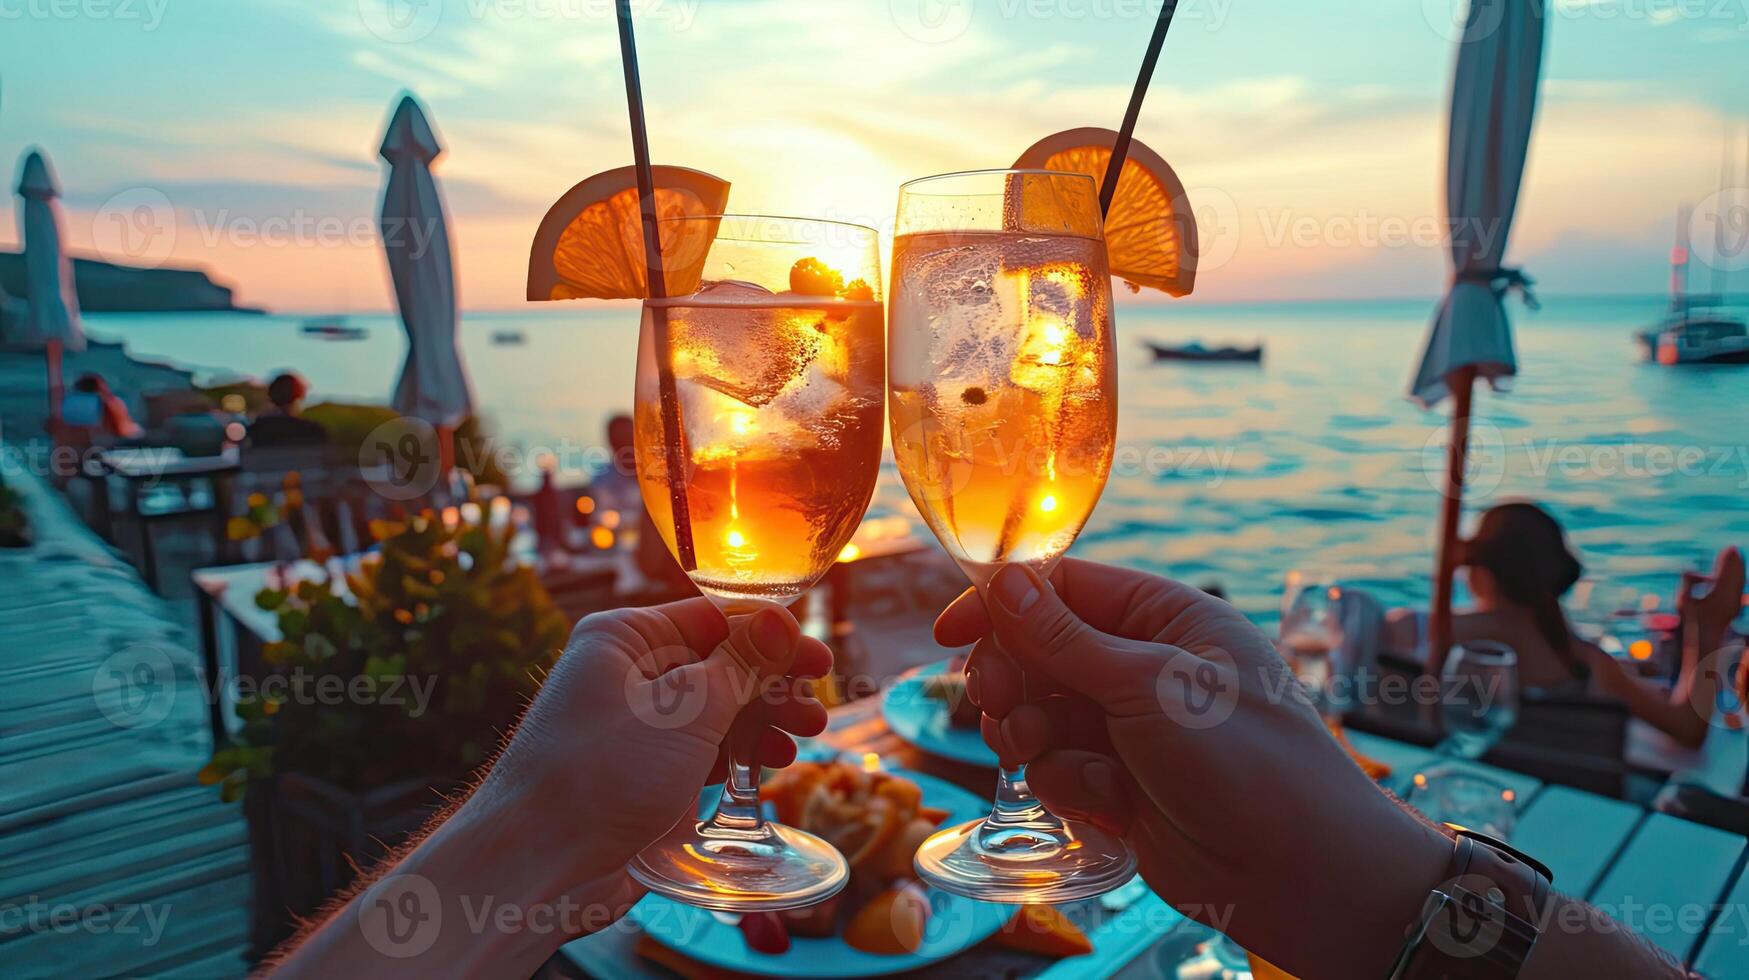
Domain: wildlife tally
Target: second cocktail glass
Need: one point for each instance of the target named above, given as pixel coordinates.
(758, 439)
(1004, 412)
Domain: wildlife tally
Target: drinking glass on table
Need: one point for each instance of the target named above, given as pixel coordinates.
(1003, 395)
(758, 439)
(1479, 697)
(1311, 640)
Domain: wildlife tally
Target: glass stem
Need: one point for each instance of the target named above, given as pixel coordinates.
(738, 813)
(1016, 806)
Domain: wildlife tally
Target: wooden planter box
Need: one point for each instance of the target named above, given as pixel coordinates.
(306, 835)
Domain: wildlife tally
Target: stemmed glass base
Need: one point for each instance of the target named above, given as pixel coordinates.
(737, 861)
(1021, 853)
(773, 868)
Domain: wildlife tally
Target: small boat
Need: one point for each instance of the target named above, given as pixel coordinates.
(333, 328)
(1195, 351)
(1697, 330)
(1696, 337)
(509, 338)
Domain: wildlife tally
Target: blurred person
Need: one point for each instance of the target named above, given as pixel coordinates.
(282, 424)
(1518, 566)
(93, 409)
(616, 488)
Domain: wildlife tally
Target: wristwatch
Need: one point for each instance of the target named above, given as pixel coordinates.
(1482, 921)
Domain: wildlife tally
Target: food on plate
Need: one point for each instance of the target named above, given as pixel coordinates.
(877, 820)
(1044, 930)
(866, 815)
(765, 932)
(892, 923)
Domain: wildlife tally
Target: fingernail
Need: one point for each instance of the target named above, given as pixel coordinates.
(1013, 589)
(1100, 779)
(972, 686)
(770, 634)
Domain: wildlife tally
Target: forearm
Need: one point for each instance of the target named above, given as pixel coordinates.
(1580, 941)
(481, 895)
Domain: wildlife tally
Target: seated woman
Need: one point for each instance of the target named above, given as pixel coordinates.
(91, 408)
(1519, 566)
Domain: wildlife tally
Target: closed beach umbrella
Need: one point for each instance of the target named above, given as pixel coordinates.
(433, 385)
(52, 318)
(1493, 102)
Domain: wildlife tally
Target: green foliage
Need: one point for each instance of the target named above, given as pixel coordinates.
(437, 610)
(349, 425)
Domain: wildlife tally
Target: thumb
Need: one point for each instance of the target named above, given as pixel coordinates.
(760, 647)
(1042, 634)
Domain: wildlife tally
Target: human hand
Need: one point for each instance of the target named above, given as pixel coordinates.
(635, 717)
(1155, 711)
(1712, 602)
(629, 725)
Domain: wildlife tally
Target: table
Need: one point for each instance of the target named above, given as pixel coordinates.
(1666, 876)
(139, 467)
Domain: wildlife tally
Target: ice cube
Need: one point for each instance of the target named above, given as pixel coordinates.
(970, 305)
(748, 350)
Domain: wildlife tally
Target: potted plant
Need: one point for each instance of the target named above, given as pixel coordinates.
(379, 697)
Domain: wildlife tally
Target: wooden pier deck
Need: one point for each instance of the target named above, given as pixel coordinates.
(114, 861)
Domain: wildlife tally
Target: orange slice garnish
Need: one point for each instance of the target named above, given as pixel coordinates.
(590, 245)
(1150, 232)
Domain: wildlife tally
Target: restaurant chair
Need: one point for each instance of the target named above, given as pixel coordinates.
(1578, 742)
(1692, 801)
(268, 471)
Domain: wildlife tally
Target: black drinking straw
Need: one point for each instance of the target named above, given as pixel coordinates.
(1121, 150)
(658, 289)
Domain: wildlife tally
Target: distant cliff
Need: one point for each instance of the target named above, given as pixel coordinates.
(106, 288)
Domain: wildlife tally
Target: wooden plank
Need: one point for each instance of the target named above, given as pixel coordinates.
(1725, 951)
(50, 881)
(98, 825)
(1577, 834)
(1667, 879)
(145, 938)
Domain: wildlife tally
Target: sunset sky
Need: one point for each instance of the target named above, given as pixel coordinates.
(1312, 133)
